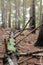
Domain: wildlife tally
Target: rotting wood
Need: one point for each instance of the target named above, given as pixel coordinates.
(31, 56)
(30, 52)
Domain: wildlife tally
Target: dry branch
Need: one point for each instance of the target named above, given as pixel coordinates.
(29, 34)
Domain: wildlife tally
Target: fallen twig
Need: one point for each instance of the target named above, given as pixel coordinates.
(30, 52)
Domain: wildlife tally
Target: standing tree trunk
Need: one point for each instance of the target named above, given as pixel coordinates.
(32, 14)
(9, 15)
(24, 12)
(4, 14)
(2, 8)
(17, 14)
(9, 20)
(40, 38)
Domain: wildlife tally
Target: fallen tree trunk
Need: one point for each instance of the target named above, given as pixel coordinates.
(23, 28)
(30, 52)
(29, 34)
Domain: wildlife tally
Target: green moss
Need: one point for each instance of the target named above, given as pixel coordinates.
(10, 45)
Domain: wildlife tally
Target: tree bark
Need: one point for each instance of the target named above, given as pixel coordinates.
(40, 37)
(4, 14)
(9, 15)
(9, 20)
(17, 14)
(32, 14)
(24, 12)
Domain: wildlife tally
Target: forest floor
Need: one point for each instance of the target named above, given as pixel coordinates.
(24, 46)
(28, 45)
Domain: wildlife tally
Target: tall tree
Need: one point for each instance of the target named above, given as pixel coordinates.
(17, 14)
(9, 15)
(32, 14)
(40, 37)
(24, 12)
(4, 14)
